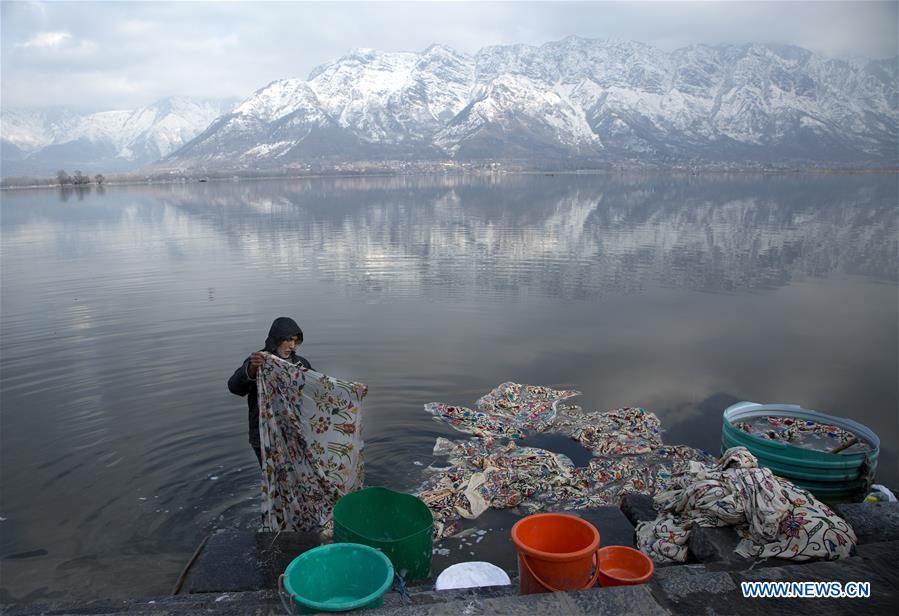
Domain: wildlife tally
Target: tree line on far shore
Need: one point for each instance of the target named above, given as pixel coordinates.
(78, 178)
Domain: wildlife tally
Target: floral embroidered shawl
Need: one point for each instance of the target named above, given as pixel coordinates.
(773, 516)
(309, 428)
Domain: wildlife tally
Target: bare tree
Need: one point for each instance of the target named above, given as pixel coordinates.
(63, 177)
(99, 179)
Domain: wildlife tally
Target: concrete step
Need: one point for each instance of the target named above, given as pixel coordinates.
(624, 601)
(679, 590)
(254, 602)
(694, 589)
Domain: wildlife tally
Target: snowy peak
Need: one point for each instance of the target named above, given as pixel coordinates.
(31, 130)
(278, 99)
(580, 98)
(127, 138)
(543, 118)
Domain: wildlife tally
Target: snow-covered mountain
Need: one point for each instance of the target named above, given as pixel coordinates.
(566, 100)
(569, 101)
(40, 142)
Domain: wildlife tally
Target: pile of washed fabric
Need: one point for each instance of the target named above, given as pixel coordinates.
(490, 470)
(773, 517)
(800, 432)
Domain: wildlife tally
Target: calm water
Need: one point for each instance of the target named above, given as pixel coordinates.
(125, 311)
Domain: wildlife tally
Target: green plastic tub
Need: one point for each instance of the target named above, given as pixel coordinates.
(832, 477)
(337, 577)
(398, 524)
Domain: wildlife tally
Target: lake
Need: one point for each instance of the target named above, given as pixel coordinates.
(123, 312)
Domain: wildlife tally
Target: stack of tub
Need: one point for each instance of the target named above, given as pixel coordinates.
(842, 477)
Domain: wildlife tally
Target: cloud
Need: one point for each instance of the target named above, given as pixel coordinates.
(46, 39)
(233, 48)
(213, 45)
(38, 7)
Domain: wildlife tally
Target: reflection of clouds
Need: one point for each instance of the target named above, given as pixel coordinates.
(575, 238)
(30, 233)
(78, 318)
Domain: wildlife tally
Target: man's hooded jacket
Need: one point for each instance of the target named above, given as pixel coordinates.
(241, 384)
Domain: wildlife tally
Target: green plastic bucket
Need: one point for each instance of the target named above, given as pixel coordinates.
(398, 524)
(832, 477)
(337, 577)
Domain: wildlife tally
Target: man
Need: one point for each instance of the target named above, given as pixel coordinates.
(283, 339)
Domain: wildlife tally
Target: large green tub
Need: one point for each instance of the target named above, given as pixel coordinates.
(832, 478)
(400, 525)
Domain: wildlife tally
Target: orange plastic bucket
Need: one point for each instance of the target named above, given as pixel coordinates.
(623, 566)
(556, 552)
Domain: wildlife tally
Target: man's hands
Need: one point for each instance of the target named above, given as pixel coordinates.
(256, 360)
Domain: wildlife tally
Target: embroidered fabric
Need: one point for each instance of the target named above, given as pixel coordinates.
(800, 432)
(309, 428)
(489, 470)
(773, 516)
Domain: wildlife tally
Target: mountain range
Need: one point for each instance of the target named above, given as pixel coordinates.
(39, 142)
(576, 101)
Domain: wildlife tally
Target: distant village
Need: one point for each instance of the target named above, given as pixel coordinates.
(152, 174)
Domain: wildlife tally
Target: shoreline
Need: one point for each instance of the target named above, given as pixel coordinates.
(168, 180)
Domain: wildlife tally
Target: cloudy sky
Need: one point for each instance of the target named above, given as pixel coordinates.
(117, 55)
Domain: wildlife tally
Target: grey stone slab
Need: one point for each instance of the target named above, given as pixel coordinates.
(883, 558)
(888, 550)
(618, 600)
(425, 596)
(613, 526)
(551, 604)
(228, 562)
(679, 582)
(237, 561)
(714, 547)
(548, 604)
(638, 508)
(872, 522)
(223, 604)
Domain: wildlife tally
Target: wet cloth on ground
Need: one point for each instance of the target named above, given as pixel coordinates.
(624, 431)
(490, 471)
(508, 410)
(309, 425)
(773, 516)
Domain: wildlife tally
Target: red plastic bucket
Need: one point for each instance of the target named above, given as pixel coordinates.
(556, 552)
(623, 566)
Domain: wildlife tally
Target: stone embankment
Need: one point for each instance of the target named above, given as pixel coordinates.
(236, 572)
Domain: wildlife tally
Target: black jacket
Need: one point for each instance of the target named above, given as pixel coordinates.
(241, 384)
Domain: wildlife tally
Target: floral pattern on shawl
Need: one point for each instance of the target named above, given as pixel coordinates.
(773, 516)
(489, 471)
(508, 410)
(309, 428)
